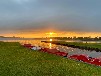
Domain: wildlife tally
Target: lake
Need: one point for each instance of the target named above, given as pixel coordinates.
(69, 50)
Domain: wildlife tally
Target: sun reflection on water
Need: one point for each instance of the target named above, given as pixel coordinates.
(50, 45)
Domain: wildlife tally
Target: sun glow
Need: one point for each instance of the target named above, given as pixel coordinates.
(51, 40)
(50, 34)
(44, 34)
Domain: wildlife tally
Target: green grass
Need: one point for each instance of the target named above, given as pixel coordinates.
(96, 45)
(16, 60)
(91, 45)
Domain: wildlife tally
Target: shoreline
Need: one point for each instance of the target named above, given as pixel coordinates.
(79, 45)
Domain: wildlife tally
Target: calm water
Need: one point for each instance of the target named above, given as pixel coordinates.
(83, 41)
(69, 50)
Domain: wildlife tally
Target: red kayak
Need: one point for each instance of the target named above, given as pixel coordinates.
(61, 54)
(73, 57)
(54, 51)
(95, 61)
(28, 46)
(83, 58)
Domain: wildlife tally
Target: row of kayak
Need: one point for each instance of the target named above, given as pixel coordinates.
(48, 50)
(54, 51)
(87, 59)
(32, 47)
(82, 57)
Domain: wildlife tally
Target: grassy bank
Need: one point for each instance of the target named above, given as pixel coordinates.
(80, 45)
(16, 60)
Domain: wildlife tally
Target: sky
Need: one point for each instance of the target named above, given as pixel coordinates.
(33, 18)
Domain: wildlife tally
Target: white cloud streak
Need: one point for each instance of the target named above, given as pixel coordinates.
(22, 1)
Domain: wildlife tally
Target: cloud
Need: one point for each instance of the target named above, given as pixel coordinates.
(21, 1)
(65, 15)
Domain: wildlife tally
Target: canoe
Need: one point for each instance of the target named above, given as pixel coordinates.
(61, 54)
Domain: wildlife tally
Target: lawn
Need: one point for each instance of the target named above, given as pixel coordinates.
(16, 60)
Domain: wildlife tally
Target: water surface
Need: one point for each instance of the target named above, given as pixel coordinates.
(69, 50)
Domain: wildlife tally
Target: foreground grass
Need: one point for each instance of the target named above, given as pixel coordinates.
(16, 60)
